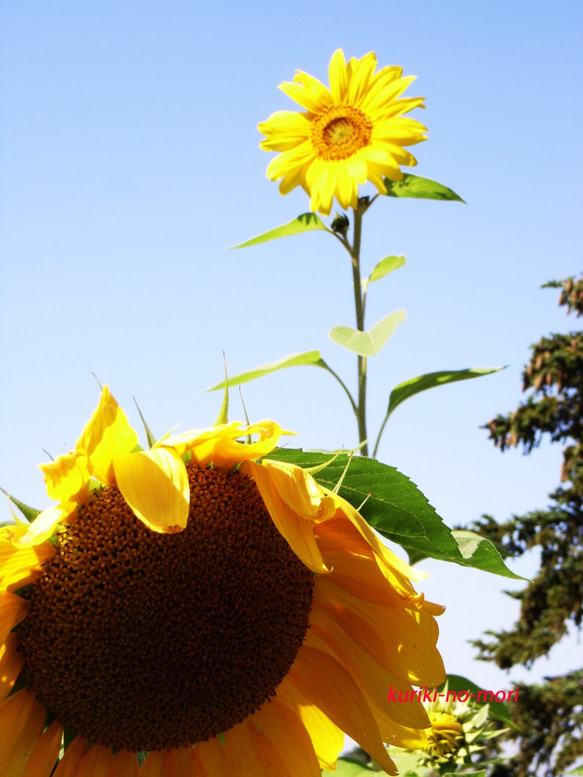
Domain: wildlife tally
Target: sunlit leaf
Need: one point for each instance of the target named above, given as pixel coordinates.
(30, 513)
(385, 266)
(349, 767)
(309, 358)
(432, 379)
(370, 342)
(420, 188)
(306, 222)
(396, 508)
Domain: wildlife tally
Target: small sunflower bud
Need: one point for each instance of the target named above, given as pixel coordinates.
(340, 223)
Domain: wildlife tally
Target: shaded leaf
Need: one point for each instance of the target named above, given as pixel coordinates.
(420, 188)
(395, 507)
(367, 343)
(432, 379)
(498, 710)
(306, 222)
(309, 358)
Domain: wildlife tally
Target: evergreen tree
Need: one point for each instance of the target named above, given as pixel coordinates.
(549, 716)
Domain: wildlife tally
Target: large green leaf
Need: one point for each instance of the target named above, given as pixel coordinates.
(432, 379)
(372, 341)
(309, 358)
(395, 507)
(420, 188)
(306, 222)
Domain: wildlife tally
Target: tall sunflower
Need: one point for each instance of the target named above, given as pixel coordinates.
(350, 133)
(193, 611)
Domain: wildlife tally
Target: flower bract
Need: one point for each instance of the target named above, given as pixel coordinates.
(352, 132)
(199, 610)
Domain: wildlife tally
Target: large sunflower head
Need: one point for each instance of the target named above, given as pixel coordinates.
(352, 132)
(198, 610)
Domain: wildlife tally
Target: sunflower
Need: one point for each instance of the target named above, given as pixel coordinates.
(350, 133)
(199, 610)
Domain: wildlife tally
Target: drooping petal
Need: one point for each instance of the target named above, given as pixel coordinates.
(45, 524)
(298, 532)
(17, 562)
(67, 477)
(155, 485)
(250, 754)
(22, 719)
(107, 435)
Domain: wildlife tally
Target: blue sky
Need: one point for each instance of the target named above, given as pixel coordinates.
(130, 162)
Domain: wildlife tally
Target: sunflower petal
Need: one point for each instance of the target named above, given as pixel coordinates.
(45, 752)
(331, 687)
(107, 435)
(327, 738)
(282, 728)
(155, 485)
(298, 532)
(13, 609)
(10, 664)
(22, 719)
(209, 759)
(71, 761)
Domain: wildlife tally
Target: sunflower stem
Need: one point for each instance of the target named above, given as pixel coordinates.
(359, 306)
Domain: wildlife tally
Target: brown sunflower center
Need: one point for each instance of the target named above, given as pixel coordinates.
(340, 131)
(145, 641)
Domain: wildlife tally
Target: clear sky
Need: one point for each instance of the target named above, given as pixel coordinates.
(130, 162)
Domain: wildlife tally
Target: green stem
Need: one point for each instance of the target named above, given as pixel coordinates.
(359, 306)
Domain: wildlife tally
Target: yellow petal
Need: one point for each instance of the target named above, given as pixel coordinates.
(13, 609)
(338, 76)
(209, 759)
(298, 531)
(10, 664)
(67, 477)
(45, 753)
(249, 754)
(17, 562)
(71, 761)
(45, 524)
(22, 718)
(280, 726)
(107, 435)
(155, 485)
(327, 738)
(331, 687)
(219, 445)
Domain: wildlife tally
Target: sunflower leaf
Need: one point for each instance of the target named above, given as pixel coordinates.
(398, 510)
(497, 710)
(309, 358)
(420, 188)
(413, 386)
(30, 513)
(350, 767)
(372, 341)
(306, 222)
(385, 266)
